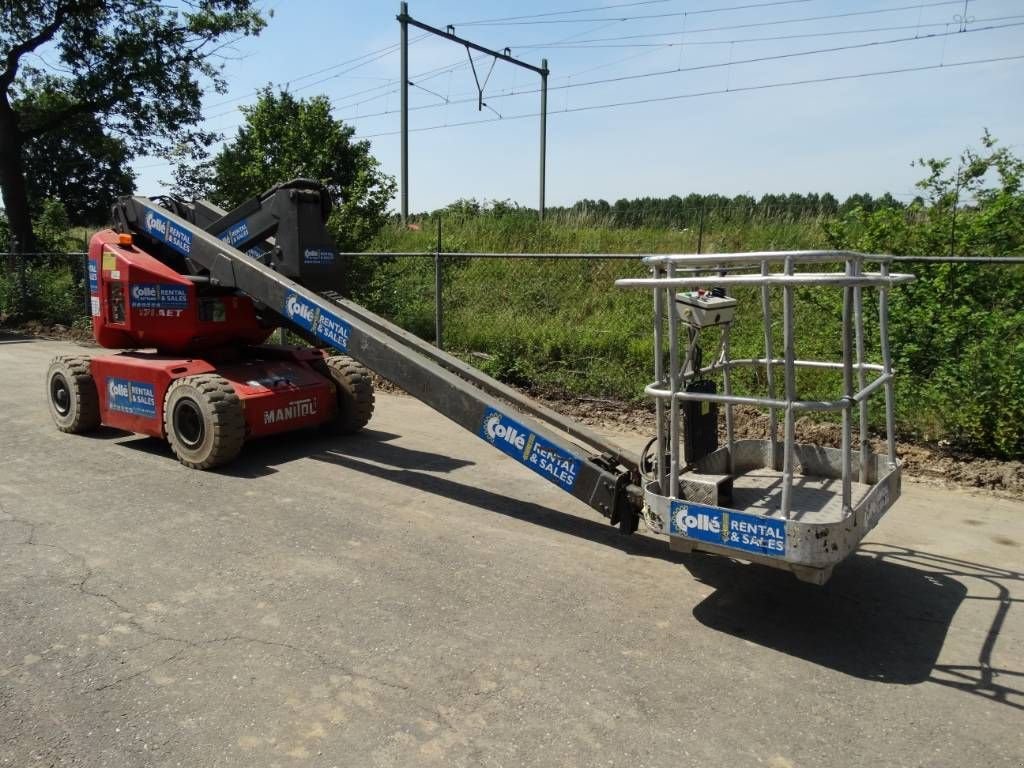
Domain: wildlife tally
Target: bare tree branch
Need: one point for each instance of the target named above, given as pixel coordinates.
(45, 35)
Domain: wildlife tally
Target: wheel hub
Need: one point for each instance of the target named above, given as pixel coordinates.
(60, 394)
(188, 423)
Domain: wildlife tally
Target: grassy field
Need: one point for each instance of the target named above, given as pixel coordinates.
(562, 327)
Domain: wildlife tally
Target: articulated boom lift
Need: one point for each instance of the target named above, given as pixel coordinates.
(192, 293)
(203, 289)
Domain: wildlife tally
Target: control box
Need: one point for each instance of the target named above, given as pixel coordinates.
(703, 309)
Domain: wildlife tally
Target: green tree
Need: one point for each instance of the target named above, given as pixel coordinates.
(958, 331)
(284, 138)
(137, 67)
(82, 166)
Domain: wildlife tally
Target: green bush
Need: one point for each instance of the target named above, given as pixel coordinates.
(958, 331)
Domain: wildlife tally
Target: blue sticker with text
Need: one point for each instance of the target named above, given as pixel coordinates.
(166, 231)
(158, 296)
(133, 397)
(237, 233)
(318, 256)
(94, 281)
(321, 323)
(736, 530)
(530, 449)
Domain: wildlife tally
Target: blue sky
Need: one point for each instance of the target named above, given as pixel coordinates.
(841, 136)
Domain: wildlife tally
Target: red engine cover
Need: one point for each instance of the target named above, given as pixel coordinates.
(278, 395)
(137, 301)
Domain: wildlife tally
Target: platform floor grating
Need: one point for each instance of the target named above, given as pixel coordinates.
(815, 499)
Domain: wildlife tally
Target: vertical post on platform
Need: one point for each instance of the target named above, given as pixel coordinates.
(543, 130)
(438, 292)
(403, 19)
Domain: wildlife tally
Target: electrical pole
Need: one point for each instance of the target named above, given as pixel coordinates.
(405, 20)
(543, 130)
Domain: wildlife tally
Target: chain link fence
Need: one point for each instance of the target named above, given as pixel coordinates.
(555, 323)
(46, 287)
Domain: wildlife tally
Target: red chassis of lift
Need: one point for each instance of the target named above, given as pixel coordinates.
(203, 380)
(278, 386)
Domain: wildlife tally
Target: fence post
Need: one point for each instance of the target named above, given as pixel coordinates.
(20, 303)
(700, 230)
(438, 292)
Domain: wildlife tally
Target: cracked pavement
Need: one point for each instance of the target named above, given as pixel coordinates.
(409, 596)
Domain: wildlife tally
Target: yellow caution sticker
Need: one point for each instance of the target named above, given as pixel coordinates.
(109, 261)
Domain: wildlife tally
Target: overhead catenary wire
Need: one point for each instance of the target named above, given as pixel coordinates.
(563, 42)
(576, 45)
(681, 96)
(698, 12)
(378, 57)
(561, 13)
(770, 38)
(369, 57)
(700, 67)
(722, 91)
(421, 77)
(754, 24)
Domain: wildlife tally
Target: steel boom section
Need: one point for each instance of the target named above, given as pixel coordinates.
(604, 489)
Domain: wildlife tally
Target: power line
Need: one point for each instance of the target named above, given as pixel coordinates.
(677, 97)
(803, 35)
(444, 69)
(699, 67)
(698, 12)
(740, 89)
(750, 25)
(370, 57)
(458, 99)
(302, 77)
(559, 13)
(421, 77)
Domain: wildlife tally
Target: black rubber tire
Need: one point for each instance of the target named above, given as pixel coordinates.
(71, 394)
(355, 394)
(204, 421)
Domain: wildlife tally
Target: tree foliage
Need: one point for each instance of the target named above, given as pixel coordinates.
(81, 166)
(283, 138)
(134, 70)
(958, 331)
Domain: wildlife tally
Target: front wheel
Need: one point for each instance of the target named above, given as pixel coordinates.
(204, 421)
(71, 394)
(355, 393)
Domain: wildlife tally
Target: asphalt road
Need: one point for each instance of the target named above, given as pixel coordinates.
(412, 597)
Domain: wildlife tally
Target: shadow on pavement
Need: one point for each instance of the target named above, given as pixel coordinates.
(262, 457)
(883, 616)
(874, 619)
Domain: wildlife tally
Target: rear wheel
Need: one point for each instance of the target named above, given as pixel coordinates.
(355, 393)
(204, 421)
(71, 394)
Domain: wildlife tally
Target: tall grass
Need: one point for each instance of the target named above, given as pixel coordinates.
(557, 325)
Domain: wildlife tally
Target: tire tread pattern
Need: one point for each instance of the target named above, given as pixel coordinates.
(355, 397)
(226, 425)
(78, 372)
